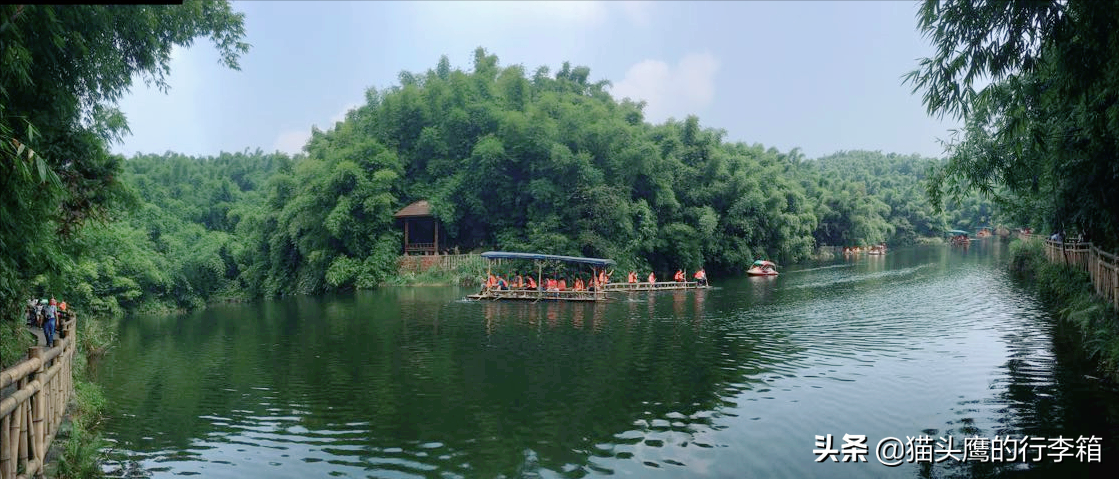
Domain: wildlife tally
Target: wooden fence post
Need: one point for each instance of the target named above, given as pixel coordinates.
(36, 454)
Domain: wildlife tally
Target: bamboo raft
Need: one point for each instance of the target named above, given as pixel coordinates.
(591, 294)
(538, 295)
(658, 286)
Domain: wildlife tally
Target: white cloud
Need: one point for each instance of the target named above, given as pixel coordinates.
(292, 141)
(341, 116)
(671, 91)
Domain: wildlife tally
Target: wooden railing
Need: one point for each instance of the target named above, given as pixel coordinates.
(35, 394)
(442, 261)
(1102, 267)
(420, 248)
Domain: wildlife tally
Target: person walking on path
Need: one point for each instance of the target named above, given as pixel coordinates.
(51, 313)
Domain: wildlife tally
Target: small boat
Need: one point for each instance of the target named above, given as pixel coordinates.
(958, 238)
(762, 268)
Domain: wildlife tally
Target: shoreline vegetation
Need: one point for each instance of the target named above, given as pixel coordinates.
(1068, 294)
(474, 275)
(77, 449)
(80, 446)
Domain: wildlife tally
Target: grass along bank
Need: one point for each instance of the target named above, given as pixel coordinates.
(79, 447)
(466, 270)
(1068, 292)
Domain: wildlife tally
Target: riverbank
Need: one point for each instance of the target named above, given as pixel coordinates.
(435, 271)
(1068, 293)
(76, 450)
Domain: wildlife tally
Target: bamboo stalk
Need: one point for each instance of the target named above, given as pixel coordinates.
(37, 428)
(24, 434)
(5, 447)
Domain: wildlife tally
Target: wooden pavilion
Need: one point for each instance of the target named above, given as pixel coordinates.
(421, 229)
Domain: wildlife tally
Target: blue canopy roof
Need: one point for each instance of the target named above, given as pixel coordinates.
(546, 257)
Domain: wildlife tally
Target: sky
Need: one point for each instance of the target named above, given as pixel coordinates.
(821, 76)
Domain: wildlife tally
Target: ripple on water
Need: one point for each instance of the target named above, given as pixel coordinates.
(746, 376)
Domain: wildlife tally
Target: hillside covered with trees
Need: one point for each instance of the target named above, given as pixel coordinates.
(508, 158)
(545, 162)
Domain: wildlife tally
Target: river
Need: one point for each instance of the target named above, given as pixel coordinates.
(735, 381)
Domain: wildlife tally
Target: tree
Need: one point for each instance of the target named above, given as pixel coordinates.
(64, 70)
(1045, 131)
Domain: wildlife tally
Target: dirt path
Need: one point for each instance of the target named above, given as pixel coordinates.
(39, 336)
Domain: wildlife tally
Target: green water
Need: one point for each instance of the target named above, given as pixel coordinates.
(735, 381)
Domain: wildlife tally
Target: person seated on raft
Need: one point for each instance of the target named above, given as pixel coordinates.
(502, 284)
(701, 277)
(632, 276)
(652, 278)
(679, 276)
(579, 286)
(604, 277)
(563, 284)
(531, 284)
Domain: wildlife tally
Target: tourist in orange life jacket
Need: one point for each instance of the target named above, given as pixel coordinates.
(652, 277)
(531, 283)
(562, 284)
(491, 282)
(632, 277)
(701, 277)
(679, 276)
(579, 284)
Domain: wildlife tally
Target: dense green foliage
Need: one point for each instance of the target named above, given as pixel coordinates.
(508, 159)
(64, 69)
(1042, 138)
(547, 163)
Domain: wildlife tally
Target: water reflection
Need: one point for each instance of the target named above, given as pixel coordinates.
(735, 380)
